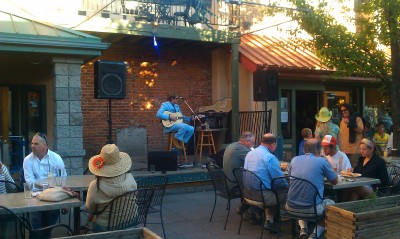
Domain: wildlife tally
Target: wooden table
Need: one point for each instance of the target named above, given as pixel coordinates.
(17, 203)
(360, 181)
(75, 182)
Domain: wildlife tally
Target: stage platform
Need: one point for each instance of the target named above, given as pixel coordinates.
(188, 174)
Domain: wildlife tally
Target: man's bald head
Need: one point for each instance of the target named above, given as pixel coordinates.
(268, 139)
(312, 146)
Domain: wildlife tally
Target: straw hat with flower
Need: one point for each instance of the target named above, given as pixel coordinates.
(110, 162)
(324, 115)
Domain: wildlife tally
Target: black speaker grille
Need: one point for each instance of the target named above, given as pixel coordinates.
(109, 80)
(111, 84)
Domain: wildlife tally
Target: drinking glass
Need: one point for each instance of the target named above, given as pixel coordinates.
(28, 187)
(60, 181)
(45, 186)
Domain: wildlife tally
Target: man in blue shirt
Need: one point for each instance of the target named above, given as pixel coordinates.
(266, 166)
(314, 169)
(166, 112)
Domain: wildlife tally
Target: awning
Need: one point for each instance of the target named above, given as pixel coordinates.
(22, 34)
(268, 51)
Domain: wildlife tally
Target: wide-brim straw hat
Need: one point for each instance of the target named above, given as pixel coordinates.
(110, 162)
(324, 115)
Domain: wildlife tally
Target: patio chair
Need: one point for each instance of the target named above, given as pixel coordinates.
(158, 183)
(309, 190)
(252, 189)
(281, 196)
(392, 189)
(10, 187)
(23, 224)
(127, 210)
(221, 188)
(392, 170)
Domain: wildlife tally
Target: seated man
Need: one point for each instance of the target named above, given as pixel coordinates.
(313, 168)
(234, 156)
(266, 166)
(336, 158)
(169, 111)
(42, 163)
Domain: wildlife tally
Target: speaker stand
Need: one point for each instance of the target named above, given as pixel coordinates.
(109, 123)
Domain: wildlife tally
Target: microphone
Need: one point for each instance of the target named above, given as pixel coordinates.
(181, 98)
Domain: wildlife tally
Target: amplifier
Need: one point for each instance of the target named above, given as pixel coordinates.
(162, 160)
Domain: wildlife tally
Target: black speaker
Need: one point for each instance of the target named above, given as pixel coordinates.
(265, 85)
(109, 80)
(162, 160)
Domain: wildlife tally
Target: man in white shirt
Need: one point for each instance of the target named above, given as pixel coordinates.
(336, 158)
(42, 163)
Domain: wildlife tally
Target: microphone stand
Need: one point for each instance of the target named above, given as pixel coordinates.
(195, 115)
(194, 124)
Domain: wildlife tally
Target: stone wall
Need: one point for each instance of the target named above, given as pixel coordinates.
(68, 117)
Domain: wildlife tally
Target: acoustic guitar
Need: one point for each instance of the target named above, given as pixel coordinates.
(170, 123)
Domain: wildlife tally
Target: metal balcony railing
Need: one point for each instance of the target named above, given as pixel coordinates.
(216, 14)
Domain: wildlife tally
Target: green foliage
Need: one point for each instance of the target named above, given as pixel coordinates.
(348, 52)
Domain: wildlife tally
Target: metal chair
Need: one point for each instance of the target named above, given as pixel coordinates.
(252, 189)
(127, 210)
(281, 196)
(310, 193)
(11, 187)
(24, 224)
(158, 183)
(392, 189)
(392, 170)
(221, 188)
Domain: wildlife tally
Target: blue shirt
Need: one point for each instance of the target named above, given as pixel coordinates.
(264, 164)
(167, 106)
(313, 169)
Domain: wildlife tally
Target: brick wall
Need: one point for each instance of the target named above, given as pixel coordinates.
(181, 69)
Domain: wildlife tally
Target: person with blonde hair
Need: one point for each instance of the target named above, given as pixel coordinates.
(324, 124)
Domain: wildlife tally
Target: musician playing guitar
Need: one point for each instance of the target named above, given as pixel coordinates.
(172, 119)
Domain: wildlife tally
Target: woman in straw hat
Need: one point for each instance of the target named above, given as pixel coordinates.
(324, 124)
(112, 180)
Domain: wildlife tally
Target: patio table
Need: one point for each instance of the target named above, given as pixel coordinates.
(75, 182)
(17, 203)
(351, 183)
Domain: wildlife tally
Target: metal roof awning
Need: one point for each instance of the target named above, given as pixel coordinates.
(289, 56)
(22, 34)
(268, 51)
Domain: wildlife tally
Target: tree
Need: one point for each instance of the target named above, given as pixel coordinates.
(359, 52)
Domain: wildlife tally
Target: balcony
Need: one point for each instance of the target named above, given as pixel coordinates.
(204, 14)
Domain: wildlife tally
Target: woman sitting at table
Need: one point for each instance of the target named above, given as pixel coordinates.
(5, 175)
(112, 180)
(369, 165)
